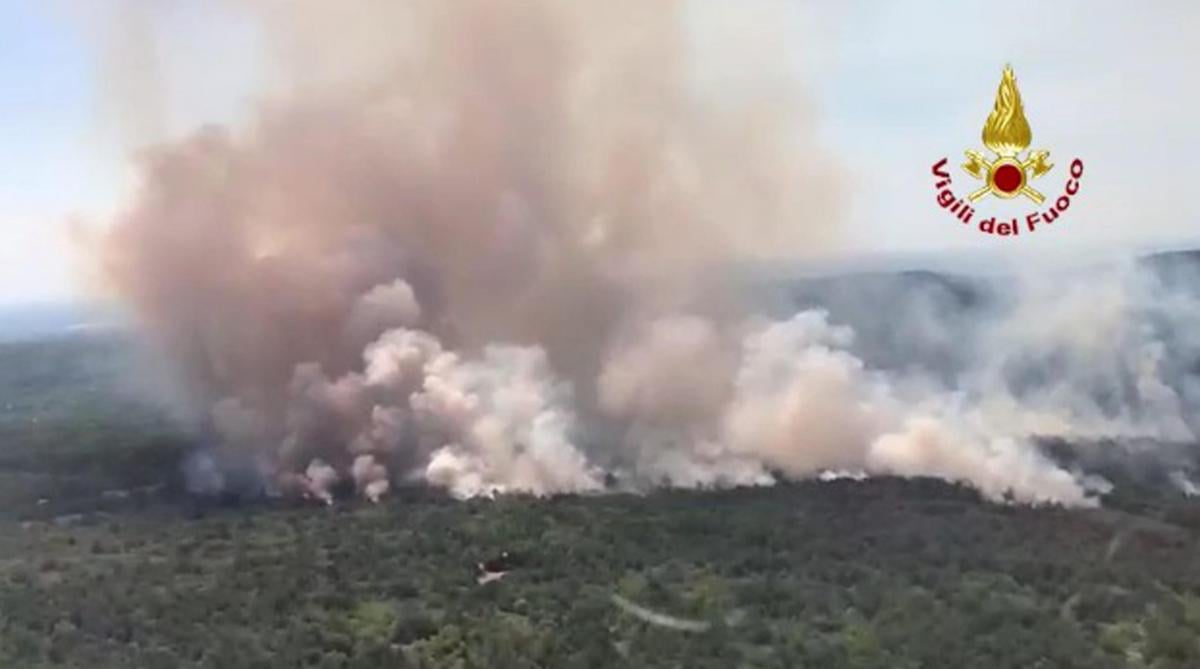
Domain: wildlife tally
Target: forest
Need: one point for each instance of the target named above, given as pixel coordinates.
(106, 562)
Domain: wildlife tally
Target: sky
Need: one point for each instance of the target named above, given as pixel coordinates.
(895, 85)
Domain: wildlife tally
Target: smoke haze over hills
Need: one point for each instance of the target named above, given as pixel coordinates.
(490, 246)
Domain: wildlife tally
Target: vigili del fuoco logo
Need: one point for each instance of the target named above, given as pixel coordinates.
(1006, 173)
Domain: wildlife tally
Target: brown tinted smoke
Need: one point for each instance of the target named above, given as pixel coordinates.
(484, 245)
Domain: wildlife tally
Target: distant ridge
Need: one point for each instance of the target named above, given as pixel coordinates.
(50, 319)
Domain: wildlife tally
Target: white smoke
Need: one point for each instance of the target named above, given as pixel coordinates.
(1082, 356)
(370, 477)
(319, 479)
(507, 425)
(382, 308)
(1184, 484)
(202, 474)
(801, 404)
(489, 245)
(1000, 467)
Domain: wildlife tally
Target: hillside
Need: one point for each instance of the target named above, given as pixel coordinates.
(107, 561)
(881, 573)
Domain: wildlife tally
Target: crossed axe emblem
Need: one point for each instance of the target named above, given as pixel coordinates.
(1007, 176)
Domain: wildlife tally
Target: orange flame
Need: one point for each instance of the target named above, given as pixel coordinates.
(1007, 132)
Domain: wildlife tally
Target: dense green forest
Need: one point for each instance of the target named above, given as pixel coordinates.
(104, 562)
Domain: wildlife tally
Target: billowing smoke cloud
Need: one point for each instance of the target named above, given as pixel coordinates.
(370, 477)
(488, 246)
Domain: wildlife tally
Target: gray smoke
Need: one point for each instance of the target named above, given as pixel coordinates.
(489, 246)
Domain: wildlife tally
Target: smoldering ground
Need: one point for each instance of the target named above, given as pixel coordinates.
(488, 246)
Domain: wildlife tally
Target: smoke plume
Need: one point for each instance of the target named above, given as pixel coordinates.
(489, 246)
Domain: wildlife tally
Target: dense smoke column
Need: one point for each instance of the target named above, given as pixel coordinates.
(500, 186)
(489, 246)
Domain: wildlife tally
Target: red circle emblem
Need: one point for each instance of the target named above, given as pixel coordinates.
(1007, 178)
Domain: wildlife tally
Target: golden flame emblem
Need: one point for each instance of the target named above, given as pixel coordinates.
(1006, 134)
